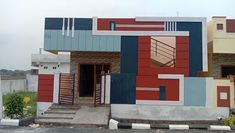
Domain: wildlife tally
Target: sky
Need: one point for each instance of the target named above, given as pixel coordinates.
(22, 21)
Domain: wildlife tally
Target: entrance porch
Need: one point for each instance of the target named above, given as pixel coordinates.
(88, 67)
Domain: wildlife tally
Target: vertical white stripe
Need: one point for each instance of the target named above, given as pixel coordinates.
(164, 25)
(63, 26)
(173, 26)
(204, 46)
(68, 27)
(73, 28)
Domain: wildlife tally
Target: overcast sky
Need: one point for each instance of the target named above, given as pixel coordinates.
(22, 21)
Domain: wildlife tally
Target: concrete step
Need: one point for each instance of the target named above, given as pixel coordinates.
(65, 107)
(85, 98)
(54, 121)
(61, 111)
(57, 116)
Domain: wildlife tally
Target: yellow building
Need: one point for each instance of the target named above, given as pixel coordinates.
(221, 47)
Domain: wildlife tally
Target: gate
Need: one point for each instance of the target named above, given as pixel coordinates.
(66, 88)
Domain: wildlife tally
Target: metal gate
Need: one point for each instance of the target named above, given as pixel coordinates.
(66, 88)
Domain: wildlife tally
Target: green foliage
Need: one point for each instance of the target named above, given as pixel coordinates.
(30, 108)
(230, 121)
(14, 106)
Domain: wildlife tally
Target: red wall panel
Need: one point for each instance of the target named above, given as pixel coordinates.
(147, 95)
(182, 40)
(45, 87)
(138, 29)
(172, 88)
(230, 25)
(103, 24)
(147, 81)
(223, 102)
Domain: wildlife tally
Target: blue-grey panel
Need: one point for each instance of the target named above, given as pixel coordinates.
(129, 54)
(68, 42)
(83, 40)
(47, 39)
(54, 39)
(61, 40)
(79, 23)
(53, 23)
(123, 89)
(117, 43)
(162, 92)
(95, 43)
(195, 45)
(109, 43)
(102, 43)
(75, 41)
(83, 24)
(88, 41)
(195, 91)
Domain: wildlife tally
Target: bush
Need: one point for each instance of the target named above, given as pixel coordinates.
(29, 99)
(230, 121)
(14, 106)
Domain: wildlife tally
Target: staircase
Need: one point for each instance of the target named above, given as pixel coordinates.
(85, 101)
(162, 54)
(58, 115)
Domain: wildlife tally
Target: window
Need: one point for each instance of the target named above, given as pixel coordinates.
(112, 25)
(54, 68)
(227, 70)
(45, 67)
(223, 96)
(219, 26)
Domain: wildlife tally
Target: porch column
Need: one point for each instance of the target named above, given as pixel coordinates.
(56, 88)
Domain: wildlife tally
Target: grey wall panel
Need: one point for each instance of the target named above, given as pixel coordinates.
(88, 41)
(61, 39)
(47, 39)
(83, 40)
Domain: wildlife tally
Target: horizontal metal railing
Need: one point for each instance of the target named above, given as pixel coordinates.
(165, 50)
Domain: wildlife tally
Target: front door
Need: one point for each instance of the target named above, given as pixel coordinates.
(86, 80)
(223, 96)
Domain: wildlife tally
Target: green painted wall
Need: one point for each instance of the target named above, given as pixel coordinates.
(83, 40)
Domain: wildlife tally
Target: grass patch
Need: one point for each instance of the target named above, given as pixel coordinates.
(32, 102)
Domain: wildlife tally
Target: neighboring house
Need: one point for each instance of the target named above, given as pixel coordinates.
(146, 60)
(221, 43)
(51, 63)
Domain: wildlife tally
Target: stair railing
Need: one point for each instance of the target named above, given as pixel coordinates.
(165, 50)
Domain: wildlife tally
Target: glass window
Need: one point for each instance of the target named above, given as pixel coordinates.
(219, 26)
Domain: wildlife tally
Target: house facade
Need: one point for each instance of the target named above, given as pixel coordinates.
(143, 60)
(221, 40)
(51, 63)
